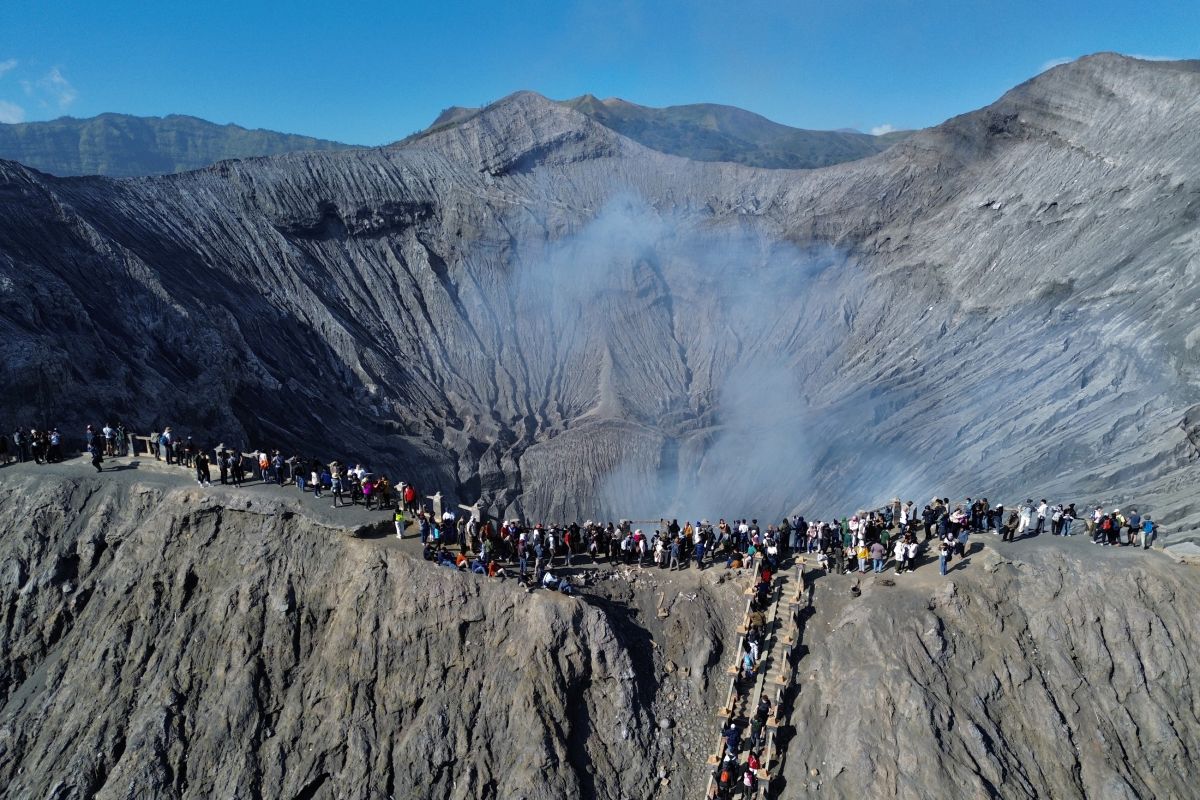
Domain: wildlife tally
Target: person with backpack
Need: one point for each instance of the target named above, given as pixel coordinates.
(1149, 529)
(1114, 528)
(164, 446)
(724, 779)
(756, 729)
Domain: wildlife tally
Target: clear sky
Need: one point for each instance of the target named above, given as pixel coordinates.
(373, 72)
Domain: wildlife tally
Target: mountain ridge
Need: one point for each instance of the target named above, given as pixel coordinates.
(714, 132)
(124, 145)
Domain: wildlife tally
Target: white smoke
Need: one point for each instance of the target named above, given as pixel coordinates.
(722, 331)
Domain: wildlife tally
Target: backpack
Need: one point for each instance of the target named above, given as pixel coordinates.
(1106, 525)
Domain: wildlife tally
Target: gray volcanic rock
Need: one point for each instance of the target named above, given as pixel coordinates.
(528, 308)
(188, 643)
(120, 145)
(161, 640)
(712, 132)
(1038, 671)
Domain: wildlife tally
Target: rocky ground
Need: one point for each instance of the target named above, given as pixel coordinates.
(249, 642)
(167, 640)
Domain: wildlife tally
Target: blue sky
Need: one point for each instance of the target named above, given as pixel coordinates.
(373, 72)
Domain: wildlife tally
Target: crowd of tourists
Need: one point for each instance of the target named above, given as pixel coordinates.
(895, 536)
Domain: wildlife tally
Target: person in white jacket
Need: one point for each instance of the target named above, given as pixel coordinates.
(1026, 515)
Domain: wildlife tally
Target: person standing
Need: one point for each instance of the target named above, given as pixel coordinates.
(335, 483)
(1026, 516)
(200, 462)
(94, 449)
(748, 782)
(899, 554)
(878, 553)
(944, 555)
(1148, 531)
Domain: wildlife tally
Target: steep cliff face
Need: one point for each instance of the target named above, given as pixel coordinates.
(164, 642)
(528, 308)
(1032, 670)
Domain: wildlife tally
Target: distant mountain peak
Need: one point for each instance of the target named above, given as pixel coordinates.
(122, 145)
(702, 131)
